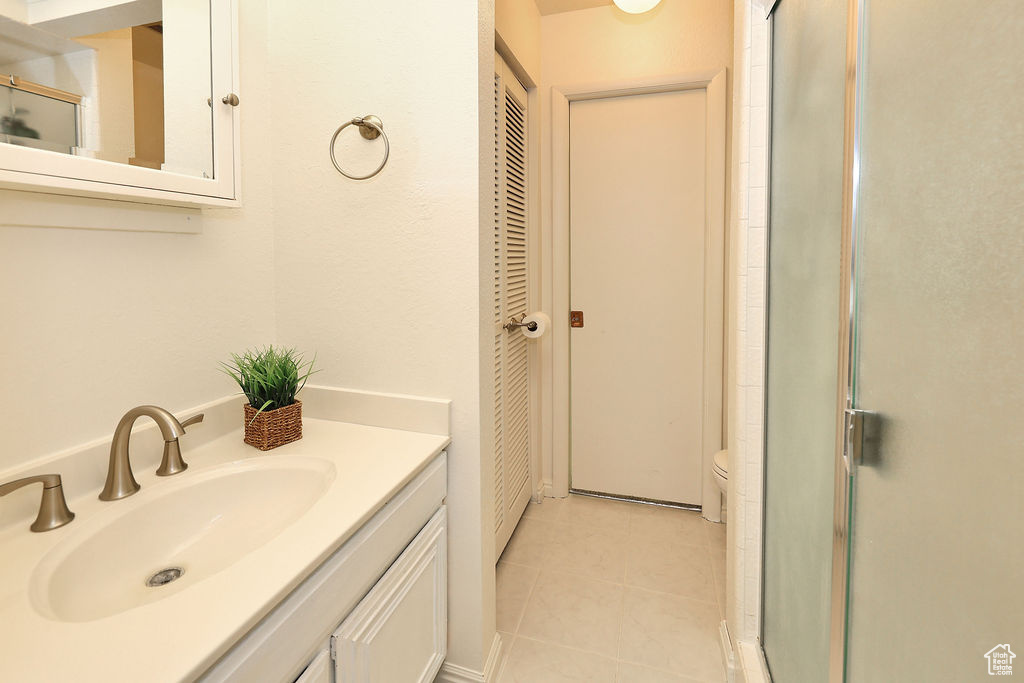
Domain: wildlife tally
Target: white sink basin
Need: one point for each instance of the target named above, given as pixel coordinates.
(200, 524)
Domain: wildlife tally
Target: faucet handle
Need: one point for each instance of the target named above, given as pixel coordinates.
(195, 419)
(172, 462)
(53, 509)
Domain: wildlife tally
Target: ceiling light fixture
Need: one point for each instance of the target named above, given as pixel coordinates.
(636, 6)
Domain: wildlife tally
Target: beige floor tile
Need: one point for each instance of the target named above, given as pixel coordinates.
(720, 589)
(634, 673)
(716, 534)
(671, 633)
(718, 568)
(667, 524)
(576, 549)
(587, 551)
(506, 644)
(718, 561)
(548, 510)
(513, 585)
(530, 661)
(532, 543)
(671, 568)
(558, 582)
(574, 611)
(607, 515)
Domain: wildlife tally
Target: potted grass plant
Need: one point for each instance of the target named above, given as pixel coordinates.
(270, 378)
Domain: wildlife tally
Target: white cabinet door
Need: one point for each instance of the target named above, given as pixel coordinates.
(319, 670)
(398, 633)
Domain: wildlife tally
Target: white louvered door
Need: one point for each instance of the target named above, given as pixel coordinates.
(511, 353)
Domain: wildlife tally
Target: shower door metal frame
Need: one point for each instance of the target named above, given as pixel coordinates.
(845, 466)
(770, 7)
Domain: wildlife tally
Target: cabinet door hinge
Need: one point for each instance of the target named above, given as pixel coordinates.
(334, 648)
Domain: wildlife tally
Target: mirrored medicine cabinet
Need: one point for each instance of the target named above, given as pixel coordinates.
(120, 100)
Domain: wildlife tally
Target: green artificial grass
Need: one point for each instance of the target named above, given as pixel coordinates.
(269, 377)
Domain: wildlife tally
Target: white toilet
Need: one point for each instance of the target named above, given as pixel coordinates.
(720, 468)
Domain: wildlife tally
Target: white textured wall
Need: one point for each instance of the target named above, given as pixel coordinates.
(382, 277)
(72, 72)
(604, 44)
(95, 322)
(747, 349)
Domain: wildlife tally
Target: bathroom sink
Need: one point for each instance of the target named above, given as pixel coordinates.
(174, 534)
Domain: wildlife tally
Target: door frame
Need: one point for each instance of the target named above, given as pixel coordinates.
(713, 376)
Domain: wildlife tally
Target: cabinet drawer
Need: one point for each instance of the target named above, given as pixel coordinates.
(398, 633)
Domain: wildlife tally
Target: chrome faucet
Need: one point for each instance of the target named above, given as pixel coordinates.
(120, 479)
(53, 509)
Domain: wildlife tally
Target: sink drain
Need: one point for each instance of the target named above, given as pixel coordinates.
(164, 577)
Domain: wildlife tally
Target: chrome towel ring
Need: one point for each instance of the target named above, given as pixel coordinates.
(370, 127)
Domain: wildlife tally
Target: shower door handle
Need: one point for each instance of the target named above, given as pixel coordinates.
(853, 438)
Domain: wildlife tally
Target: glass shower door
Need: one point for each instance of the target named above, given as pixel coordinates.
(805, 227)
(936, 554)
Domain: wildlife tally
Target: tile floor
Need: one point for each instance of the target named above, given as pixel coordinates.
(605, 591)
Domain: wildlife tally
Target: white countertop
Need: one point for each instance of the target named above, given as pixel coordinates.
(180, 636)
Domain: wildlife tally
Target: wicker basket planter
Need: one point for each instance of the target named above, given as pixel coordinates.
(273, 428)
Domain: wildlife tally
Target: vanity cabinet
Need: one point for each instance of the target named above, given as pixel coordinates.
(405, 614)
(374, 611)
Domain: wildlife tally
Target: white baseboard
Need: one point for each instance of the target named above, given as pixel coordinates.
(453, 673)
(728, 654)
(752, 663)
(548, 490)
(494, 660)
(538, 494)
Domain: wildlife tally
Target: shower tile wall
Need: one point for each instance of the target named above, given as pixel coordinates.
(748, 273)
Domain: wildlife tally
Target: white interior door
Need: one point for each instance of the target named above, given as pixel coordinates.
(637, 230)
(511, 298)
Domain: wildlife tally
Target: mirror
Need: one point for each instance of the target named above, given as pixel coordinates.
(123, 82)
